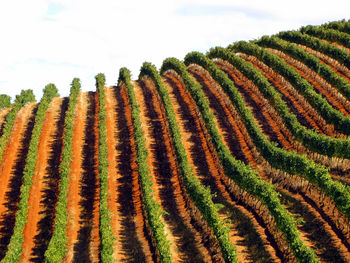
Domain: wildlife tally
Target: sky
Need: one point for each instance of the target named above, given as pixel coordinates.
(53, 41)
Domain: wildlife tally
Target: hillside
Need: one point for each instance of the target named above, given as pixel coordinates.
(238, 155)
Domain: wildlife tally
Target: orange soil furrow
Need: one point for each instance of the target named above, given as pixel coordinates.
(337, 67)
(3, 114)
(95, 220)
(174, 199)
(265, 116)
(210, 173)
(133, 221)
(41, 172)
(320, 85)
(11, 171)
(83, 223)
(272, 123)
(326, 249)
(113, 174)
(74, 198)
(305, 113)
(161, 170)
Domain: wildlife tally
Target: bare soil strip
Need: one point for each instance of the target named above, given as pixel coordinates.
(85, 244)
(134, 243)
(209, 171)
(11, 172)
(174, 198)
(83, 237)
(43, 170)
(299, 203)
(73, 208)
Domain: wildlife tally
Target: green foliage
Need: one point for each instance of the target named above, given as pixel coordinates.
(316, 44)
(152, 208)
(57, 249)
(309, 60)
(200, 195)
(14, 250)
(322, 144)
(342, 26)
(244, 176)
(24, 97)
(5, 101)
(105, 219)
(327, 34)
(291, 162)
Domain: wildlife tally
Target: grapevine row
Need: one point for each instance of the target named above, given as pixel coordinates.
(316, 142)
(152, 208)
(105, 220)
(24, 97)
(56, 251)
(244, 176)
(311, 61)
(197, 192)
(15, 246)
(291, 162)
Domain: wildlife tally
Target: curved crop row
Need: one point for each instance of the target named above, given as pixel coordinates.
(311, 61)
(56, 251)
(290, 162)
(152, 208)
(316, 142)
(318, 45)
(105, 220)
(200, 195)
(331, 115)
(327, 34)
(15, 246)
(244, 176)
(24, 97)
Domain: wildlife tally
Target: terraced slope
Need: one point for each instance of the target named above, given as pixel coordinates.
(238, 155)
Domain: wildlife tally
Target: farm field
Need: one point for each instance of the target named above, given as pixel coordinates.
(241, 154)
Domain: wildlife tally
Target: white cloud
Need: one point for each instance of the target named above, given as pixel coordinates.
(45, 41)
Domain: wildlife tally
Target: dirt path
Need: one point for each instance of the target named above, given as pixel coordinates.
(41, 172)
(134, 243)
(3, 114)
(321, 86)
(209, 172)
(74, 198)
(11, 172)
(83, 237)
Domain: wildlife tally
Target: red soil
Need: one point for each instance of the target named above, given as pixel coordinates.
(328, 245)
(36, 209)
(139, 214)
(306, 114)
(10, 155)
(337, 67)
(209, 171)
(113, 174)
(73, 208)
(332, 95)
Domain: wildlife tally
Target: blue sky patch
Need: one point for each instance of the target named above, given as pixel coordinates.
(54, 9)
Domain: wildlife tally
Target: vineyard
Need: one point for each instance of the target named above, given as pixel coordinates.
(237, 155)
